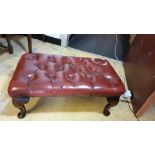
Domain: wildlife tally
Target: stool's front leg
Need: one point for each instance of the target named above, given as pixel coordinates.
(112, 101)
(19, 102)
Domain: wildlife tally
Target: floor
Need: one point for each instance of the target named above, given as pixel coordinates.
(60, 108)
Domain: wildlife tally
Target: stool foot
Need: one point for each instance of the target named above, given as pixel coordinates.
(19, 102)
(112, 101)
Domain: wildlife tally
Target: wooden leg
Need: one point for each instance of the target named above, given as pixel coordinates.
(29, 39)
(19, 102)
(9, 47)
(112, 101)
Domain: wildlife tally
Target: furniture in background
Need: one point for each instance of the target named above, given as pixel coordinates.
(132, 37)
(29, 39)
(139, 67)
(147, 104)
(63, 37)
(102, 44)
(43, 75)
(9, 47)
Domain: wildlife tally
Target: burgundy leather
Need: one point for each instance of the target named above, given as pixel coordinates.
(54, 75)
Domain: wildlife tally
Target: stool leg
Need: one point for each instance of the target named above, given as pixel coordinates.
(112, 101)
(19, 102)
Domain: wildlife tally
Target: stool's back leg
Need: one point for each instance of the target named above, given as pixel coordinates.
(112, 101)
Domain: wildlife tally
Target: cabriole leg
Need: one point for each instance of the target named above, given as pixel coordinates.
(112, 101)
(19, 102)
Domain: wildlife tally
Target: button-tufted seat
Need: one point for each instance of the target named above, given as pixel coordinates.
(54, 75)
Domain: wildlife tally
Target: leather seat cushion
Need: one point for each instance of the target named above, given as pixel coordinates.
(54, 75)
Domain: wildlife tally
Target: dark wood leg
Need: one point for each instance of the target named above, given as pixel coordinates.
(9, 47)
(112, 101)
(19, 102)
(29, 39)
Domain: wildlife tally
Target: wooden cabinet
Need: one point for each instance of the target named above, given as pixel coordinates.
(139, 66)
(132, 37)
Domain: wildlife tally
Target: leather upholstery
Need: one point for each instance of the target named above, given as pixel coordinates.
(54, 75)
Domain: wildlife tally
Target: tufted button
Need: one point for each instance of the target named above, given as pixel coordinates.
(51, 59)
(32, 76)
(42, 66)
(52, 76)
(81, 59)
(70, 76)
(68, 61)
(90, 77)
(97, 73)
(84, 62)
(60, 68)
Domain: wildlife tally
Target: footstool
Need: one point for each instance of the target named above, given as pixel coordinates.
(43, 75)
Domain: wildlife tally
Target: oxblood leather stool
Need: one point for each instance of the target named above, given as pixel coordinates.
(39, 75)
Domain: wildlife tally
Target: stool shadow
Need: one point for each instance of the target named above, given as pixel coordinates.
(60, 104)
(67, 104)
